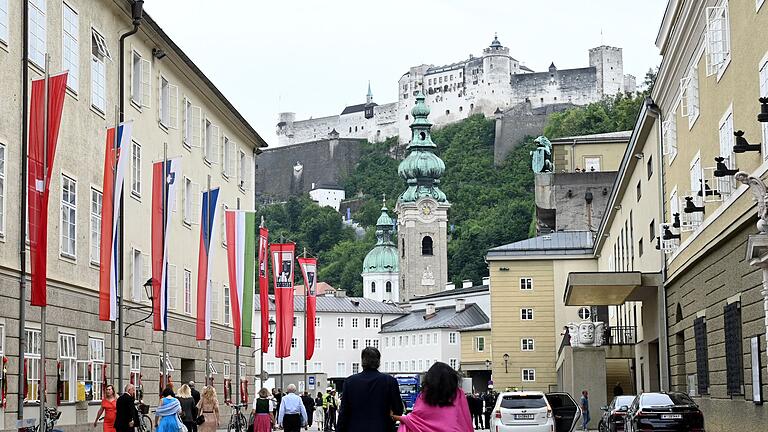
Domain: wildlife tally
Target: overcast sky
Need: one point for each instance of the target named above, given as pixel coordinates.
(315, 57)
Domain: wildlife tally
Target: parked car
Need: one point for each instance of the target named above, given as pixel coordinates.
(664, 411)
(614, 413)
(531, 411)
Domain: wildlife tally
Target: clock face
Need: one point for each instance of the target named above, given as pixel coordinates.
(426, 211)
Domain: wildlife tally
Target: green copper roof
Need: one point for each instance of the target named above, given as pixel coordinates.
(383, 257)
(422, 169)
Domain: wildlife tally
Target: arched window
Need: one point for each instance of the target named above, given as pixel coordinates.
(373, 287)
(389, 286)
(426, 245)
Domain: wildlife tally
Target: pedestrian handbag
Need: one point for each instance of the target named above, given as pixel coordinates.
(200, 420)
(182, 426)
(251, 421)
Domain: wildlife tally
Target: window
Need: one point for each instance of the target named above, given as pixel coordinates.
(294, 367)
(454, 363)
(317, 321)
(763, 77)
(652, 228)
(355, 322)
(718, 42)
(375, 323)
(526, 314)
(689, 96)
(68, 245)
(187, 292)
(373, 287)
(695, 174)
(317, 366)
(295, 321)
(227, 311)
(341, 368)
(584, 313)
(669, 135)
(140, 272)
(211, 141)
(479, 343)
(169, 104)
(376, 343)
(192, 197)
(340, 322)
(526, 344)
(340, 343)
(389, 284)
(640, 247)
(526, 283)
(135, 368)
(426, 245)
(367, 323)
(96, 203)
(4, 21)
(136, 169)
(294, 343)
(649, 166)
(435, 338)
(733, 348)
(70, 47)
(592, 163)
(192, 123)
(96, 357)
(38, 39)
(2, 188)
(99, 54)
(355, 344)
(452, 338)
(141, 75)
(702, 360)
(270, 367)
(32, 354)
(529, 375)
(227, 157)
(244, 170)
(639, 190)
(726, 148)
(68, 367)
(317, 343)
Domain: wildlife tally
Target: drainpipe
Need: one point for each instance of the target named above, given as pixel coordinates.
(23, 213)
(664, 370)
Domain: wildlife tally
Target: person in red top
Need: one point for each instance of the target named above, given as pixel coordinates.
(108, 408)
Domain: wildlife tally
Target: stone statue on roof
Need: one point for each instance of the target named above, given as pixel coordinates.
(541, 156)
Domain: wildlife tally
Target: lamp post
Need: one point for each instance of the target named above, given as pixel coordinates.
(506, 362)
(271, 329)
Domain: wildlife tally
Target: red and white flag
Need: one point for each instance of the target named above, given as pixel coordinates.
(282, 275)
(166, 175)
(115, 163)
(38, 181)
(264, 288)
(309, 272)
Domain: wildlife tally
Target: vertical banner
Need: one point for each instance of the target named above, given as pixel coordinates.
(115, 163)
(38, 182)
(264, 288)
(204, 260)
(309, 272)
(164, 180)
(241, 260)
(282, 274)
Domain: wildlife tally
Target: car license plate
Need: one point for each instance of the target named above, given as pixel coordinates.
(523, 416)
(671, 416)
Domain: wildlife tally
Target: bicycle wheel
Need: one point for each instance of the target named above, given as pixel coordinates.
(146, 423)
(242, 422)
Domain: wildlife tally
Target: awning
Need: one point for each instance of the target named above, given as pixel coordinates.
(609, 288)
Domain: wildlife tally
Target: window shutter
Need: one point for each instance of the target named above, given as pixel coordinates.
(173, 106)
(146, 83)
(216, 142)
(173, 284)
(196, 207)
(733, 355)
(223, 220)
(702, 361)
(245, 181)
(684, 94)
(717, 44)
(146, 266)
(132, 91)
(232, 158)
(197, 126)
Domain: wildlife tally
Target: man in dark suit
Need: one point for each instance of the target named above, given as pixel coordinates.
(126, 415)
(369, 397)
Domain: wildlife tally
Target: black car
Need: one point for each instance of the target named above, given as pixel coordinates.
(664, 411)
(614, 413)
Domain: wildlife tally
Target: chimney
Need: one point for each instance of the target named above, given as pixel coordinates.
(341, 293)
(430, 309)
(466, 283)
(450, 286)
(460, 304)
(487, 281)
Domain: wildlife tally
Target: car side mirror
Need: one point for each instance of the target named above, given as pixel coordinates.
(623, 408)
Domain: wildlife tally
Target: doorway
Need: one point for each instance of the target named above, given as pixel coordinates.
(187, 370)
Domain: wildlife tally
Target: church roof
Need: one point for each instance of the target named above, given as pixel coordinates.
(444, 318)
(556, 243)
(356, 108)
(383, 257)
(334, 304)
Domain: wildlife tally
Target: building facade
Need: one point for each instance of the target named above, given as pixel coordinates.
(169, 100)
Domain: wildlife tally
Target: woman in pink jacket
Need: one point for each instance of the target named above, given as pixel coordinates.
(441, 406)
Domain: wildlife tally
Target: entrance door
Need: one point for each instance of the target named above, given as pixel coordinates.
(187, 370)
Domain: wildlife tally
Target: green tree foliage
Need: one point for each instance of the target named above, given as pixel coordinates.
(341, 265)
(611, 114)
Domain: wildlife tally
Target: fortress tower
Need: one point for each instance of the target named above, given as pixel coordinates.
(610, 69)
(497, 69)
(423, 212)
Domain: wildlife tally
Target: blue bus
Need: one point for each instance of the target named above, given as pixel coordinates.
(410, 387)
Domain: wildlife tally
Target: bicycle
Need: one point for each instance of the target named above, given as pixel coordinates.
(145, 422)
(237, 421)
(52, 415)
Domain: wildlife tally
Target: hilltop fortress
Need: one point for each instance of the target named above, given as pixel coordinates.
(493, 81)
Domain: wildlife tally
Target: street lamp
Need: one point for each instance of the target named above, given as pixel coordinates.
(271, 330)
(506, 362)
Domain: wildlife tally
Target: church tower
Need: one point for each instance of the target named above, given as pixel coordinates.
(423, 213)
(381, 266)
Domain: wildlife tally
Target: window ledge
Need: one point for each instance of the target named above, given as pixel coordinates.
(186, 145)
(136, 196)
(4, 46)
(98, 112)
(68, 257)
(136, 105)
(162, 126)
(186, 223)
(72, 93)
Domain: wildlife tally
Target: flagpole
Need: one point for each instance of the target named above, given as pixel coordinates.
(41, 385)
(261, 352)
(164, 272)
(23, 216)
(237, 347)
(207, 284)
(281, 358)
(306, 290)
(114, 187)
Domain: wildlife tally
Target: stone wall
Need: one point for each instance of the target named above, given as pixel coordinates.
(704, 289)
(520, 121)
(290, 171)
(576, 86)
(561, 203)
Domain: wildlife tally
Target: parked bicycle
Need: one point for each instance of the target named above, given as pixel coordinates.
(145, 422)
(52, 415)
(237, 419)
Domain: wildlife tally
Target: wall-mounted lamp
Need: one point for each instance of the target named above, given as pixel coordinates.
(506, 362)
(690, 207)
(721, 169)
(763, 116)
(158, 53)
(742, 145)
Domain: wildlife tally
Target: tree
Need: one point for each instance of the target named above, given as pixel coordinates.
(611, 114)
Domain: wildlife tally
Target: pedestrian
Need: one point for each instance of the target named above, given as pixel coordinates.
(618, 390)
(188, 410)
(208, 407)
(585, 410)
(370, 397)
(489, 400)
(319, 412)
(332, 404)
(309, 406)
(126, 414)
(195, 396)
(326, 417)
(167, 414)
(292, 415)
(262, 411)
(277, 394)
(441, 405)
(476, 409)
(108, 408)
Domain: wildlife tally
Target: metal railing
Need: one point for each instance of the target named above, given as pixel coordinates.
(621, 335)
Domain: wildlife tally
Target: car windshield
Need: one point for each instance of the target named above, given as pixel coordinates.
(623, 401)
(407, 388)
(523, 401)
(665, 399)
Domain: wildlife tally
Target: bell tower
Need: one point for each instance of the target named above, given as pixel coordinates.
(422, 213)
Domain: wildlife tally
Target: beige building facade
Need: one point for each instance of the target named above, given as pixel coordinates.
(170, 101)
